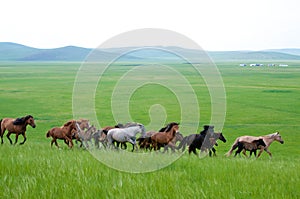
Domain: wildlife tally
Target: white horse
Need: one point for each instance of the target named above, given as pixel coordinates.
(268, 139)
(123, 135)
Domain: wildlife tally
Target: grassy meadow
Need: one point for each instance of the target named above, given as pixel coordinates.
(260, 100)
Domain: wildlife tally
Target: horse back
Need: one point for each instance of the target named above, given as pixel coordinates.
(7, 123)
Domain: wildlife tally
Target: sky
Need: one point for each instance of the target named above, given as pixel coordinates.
(212, 24)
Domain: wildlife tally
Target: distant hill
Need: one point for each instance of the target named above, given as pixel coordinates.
(252, 55)
(12, 51)
(292, 51)
(17, 52)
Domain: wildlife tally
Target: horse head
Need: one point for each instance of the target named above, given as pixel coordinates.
(143, 130)
(71, 124)
(222, 138)
(277, 137)
(29, 120)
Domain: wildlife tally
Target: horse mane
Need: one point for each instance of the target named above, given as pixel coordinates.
(22, 120)
(69, 123)
(170, 126)
(272, 134)
(163, 129)
(206, 129)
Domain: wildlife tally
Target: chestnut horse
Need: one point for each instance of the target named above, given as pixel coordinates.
(163, 138)
(16, 126)
(62, 133)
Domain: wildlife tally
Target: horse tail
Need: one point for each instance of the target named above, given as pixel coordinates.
(234, 146)
(48, 134)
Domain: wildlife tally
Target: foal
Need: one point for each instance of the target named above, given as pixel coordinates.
(252, 147)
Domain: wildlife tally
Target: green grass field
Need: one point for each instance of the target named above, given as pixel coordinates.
(260, 100)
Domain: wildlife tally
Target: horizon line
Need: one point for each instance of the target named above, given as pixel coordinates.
(230, 50)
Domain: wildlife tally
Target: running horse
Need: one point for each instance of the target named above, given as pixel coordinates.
(268, 139)
(16, 126)
(64, 132)
(206, 142)
(123, 135)
(163, 138)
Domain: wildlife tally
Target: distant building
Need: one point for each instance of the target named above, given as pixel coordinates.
(243, 64)
(271, 64)
(256, 65)
(283, 65)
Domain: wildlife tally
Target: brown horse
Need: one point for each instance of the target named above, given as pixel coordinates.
(172, 144)
(62, 133)
(163, 138)
(16, 126)
(83, 123)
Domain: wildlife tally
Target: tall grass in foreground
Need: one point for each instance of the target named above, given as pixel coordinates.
(38, 171)
(259, 101)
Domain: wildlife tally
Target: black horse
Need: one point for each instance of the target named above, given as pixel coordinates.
(187, 140)
(206, 141)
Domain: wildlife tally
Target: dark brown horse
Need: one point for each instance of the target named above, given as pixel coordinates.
(163, 138)
(62, 133)
(206, 142)
(16, 126)
(187, 140)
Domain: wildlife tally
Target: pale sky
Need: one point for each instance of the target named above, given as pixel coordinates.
(213, 24)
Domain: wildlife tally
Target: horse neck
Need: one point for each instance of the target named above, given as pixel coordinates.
(171, 133)
(134, 132)
(24, 125)
(268, 140)
(68, 128)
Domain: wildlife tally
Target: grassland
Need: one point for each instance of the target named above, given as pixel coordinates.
(259, 101)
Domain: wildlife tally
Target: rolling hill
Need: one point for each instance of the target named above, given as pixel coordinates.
(17, 52)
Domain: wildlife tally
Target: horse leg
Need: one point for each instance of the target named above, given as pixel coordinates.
(253, 151)
(66, 142)
(52, 141)
(2, 130)
(70, 142)
(24, 136)
(244, 152)
(270, 154)
(17, 135)
(261, 150)
(171, 145)
(8, 134)
(238, 151)
(56, 144)
(81, 144)
(86, 144)
(118, 144)
(213, 150)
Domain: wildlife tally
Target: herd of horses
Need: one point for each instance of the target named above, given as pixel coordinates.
(116, 137)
